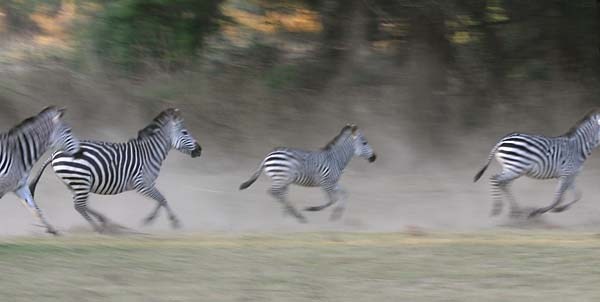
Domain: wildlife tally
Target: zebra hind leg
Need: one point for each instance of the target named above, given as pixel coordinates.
(101, 218)
(500, 186)
(162, 202)
(81, 207)
(280, 193)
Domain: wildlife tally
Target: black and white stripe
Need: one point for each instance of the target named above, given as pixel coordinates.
(543, 157)
(112, 168)
(321, 168)
(23, 145)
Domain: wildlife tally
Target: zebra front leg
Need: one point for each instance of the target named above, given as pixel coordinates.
(564, 182)
(280, 193)
(153, 193)
(25, 196)
(341, 205)
(564, 207)
(331, 196)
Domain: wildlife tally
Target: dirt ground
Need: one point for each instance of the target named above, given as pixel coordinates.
(209, 200)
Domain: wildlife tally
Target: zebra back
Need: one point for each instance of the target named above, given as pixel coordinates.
(31, 138)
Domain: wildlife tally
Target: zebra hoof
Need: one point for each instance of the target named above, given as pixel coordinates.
(535, 213)
(560, 209)
(302, 219)
(336, 214)
(175, 224)
(148, 220)
(52, 231)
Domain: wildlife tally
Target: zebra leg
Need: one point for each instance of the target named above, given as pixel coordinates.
(564, 207)
(341, 204)
(279, 192)
(331, 196)
(80, 199)
(101, 218)
(25, 196)
(153, 193)
(564, 182)
(500, 185)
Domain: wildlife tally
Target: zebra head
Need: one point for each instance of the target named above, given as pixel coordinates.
(361, 146)
(62, 137)
(182, 140)
(588, 128)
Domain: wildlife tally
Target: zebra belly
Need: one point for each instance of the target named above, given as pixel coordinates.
(538, 172)
(8, 184)
(82, 175)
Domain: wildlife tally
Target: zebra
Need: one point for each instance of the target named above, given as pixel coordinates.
(23, 145)
(542, 157)
(321, 168)
(111, 168)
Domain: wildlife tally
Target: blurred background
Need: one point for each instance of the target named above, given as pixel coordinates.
(432, 84)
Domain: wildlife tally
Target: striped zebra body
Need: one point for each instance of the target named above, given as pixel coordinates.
(112, 168)
(542, 157)
(23, 145)
(321, 168)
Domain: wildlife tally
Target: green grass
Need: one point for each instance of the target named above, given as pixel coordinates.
(508, 266)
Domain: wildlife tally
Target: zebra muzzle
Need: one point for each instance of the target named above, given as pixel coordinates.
(372, 158)
(197, 151)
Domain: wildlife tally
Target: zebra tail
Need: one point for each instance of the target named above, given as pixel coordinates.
(252, 179)
(480, 173)
(36, 179)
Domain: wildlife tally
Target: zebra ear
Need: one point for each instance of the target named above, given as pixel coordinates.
(354, 129)
(59, 114)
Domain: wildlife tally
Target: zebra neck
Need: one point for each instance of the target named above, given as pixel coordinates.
(155, 148)
(31, 145)
(586, 138)
(341, 153)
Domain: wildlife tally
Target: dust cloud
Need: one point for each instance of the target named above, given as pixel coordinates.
(422, 178)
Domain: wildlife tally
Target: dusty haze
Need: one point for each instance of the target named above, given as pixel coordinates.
(423, 175)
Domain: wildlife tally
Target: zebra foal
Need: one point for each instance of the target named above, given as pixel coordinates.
(112, 168)
(23, 145)
(321, 168)
(543, 157)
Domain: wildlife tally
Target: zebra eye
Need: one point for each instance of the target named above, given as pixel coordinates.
(364, 143)
(184, 132)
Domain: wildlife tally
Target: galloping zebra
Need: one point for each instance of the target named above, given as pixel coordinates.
(321, 168)
(544, 157)
(22, 146)
(112, 168)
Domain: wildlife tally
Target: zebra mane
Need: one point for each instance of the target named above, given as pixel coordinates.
(160, 120)
(28, 123)
(582, 121)
(343, 134)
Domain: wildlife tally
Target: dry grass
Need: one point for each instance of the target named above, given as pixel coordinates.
(494, 266)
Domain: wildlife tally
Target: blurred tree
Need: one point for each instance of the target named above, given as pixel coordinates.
(137, 34)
